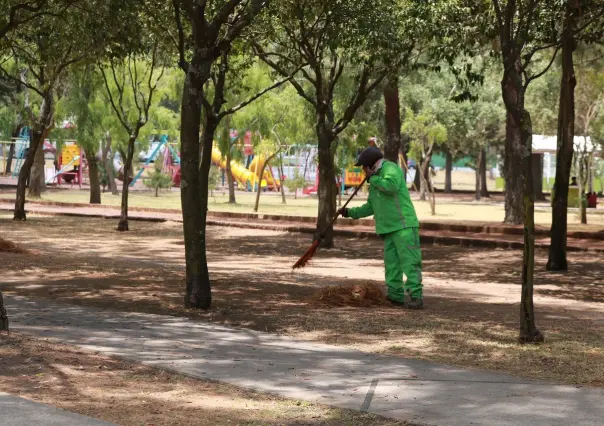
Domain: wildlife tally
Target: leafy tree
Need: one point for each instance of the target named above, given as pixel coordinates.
(426, 133)
(331, 43)
(207, 34)
(130, 84)
(158, 179)
(294, 185)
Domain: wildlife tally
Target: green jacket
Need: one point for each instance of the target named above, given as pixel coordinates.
(389, 201)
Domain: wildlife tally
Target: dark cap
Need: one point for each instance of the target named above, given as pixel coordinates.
(369, 157)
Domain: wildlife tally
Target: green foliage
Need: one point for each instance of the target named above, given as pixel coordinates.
(425, 132)
(213, 179)
(296, 183)
(158, 180)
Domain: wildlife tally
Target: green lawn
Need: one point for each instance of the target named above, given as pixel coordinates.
(270, 203)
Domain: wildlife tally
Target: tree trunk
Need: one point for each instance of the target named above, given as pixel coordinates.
(108, 163)
(393, 119)
(425, 179)
(477, 180)
(259, 188)
(95, 182)
(484, 190)
(3, 315)
(557, 260)
(11, 149)
(528, 330)
(514, 206)
(123, 223)
(448, 171)
(230, 178)
(37, 183)
(281, 174)
(417, 181)
(537, 160)
(328, 189)
(198, 289)
(37, 138)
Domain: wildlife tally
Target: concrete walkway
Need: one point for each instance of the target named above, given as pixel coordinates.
(404, 389)
(16, 411)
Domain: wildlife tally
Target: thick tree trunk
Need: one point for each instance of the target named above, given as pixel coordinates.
(123, 223)
(417, 181)
(448, 171)
(514, 173)
(537, 160)
(37, 138)
(108, 163)
(327, 188)
(198, 289)
(393, 119)
(484, 190)
(95, 182)
(557, 260)
(37, 183)
(3, 315)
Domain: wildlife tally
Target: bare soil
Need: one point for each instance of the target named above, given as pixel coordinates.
(129, 394)
(472, 295)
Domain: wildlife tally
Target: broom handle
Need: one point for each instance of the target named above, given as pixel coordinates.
(356, 191)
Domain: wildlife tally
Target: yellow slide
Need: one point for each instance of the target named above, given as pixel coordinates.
(239, 171)
(256, 166)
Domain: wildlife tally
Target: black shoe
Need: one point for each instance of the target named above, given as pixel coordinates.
(395, 302)
(416, 303)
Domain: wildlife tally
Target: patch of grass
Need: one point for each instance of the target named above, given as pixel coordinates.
(130, 394)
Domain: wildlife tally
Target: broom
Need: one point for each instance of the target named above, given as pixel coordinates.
(303, 261)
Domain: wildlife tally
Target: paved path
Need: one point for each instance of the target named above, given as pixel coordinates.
(442, 237)
(16, 411)
(405, 389)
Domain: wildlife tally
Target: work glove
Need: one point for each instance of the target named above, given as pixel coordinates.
(343, 212)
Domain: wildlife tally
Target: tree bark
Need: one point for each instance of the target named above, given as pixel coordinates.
(425, 179)
(417, 180)
(95, 182)
(108, 163)
(281, 174)
(198, 287)
(477, 177)
(557, 260)
(3, 315)
(484, 190)
(327, 188)
(514, 206)
(448, 171)
(123, 223)
(11, 149)
(393, 119)
(37, 137)
(37, 183)
(230, 179)
(537, 160)
(528, 330)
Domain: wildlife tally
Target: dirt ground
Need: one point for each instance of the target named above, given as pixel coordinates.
(472, 295)
(129, 394)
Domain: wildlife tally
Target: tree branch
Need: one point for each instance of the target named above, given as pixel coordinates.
(256, 96)
(536, 76)
(182, 63)
(120, 114)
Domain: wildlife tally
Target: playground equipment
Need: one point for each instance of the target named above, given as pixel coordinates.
(248, 178)
(170, 166)
(71, 165)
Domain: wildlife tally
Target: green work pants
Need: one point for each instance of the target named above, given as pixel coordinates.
(402, 254)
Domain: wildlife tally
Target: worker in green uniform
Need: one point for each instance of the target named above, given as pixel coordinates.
(396, 223)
